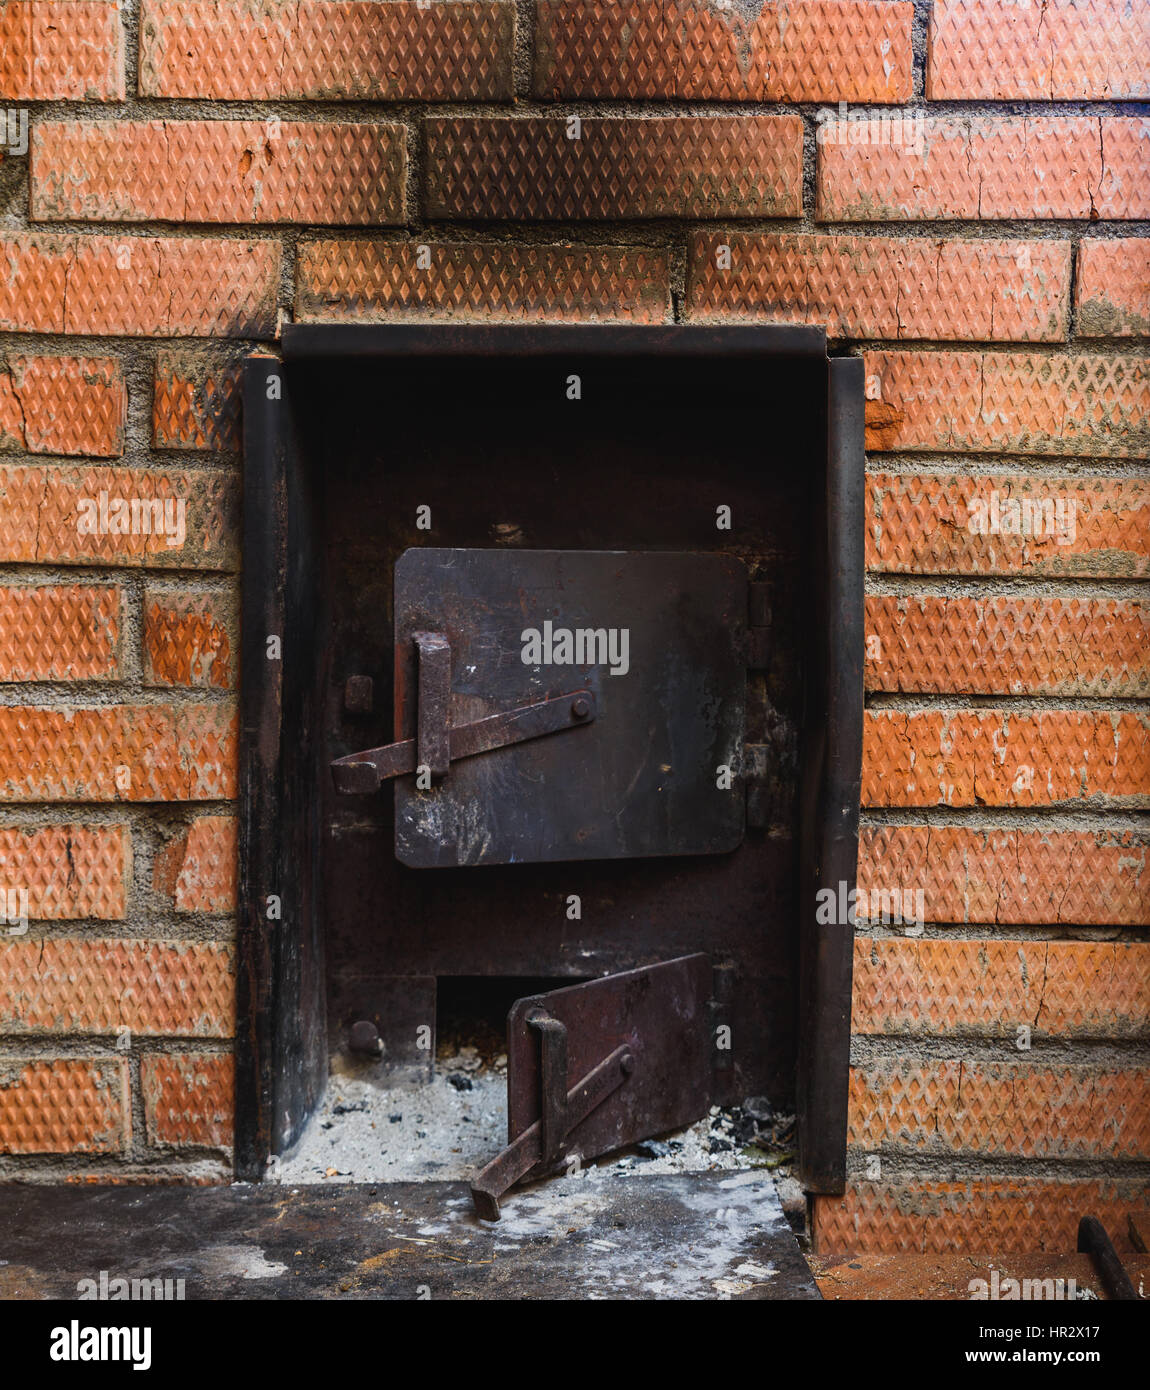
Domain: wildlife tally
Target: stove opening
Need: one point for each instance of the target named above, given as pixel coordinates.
(552, 703)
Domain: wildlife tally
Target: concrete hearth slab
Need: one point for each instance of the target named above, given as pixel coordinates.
(693, 1236)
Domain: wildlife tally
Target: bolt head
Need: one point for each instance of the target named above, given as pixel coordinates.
(364, 1037)
(580, 708)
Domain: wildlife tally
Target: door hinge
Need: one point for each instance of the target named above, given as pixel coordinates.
(756, 761)
(758, 624)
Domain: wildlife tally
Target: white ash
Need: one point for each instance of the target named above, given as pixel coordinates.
(446, 1132)
(431, 1133)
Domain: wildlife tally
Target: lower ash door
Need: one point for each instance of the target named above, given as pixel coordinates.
(558, 705)
(597, 1066)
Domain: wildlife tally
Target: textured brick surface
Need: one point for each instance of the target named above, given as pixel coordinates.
(67, 1105)
(883, 287)
(674, 166)
(1008, 646)
(1112, 291)
(1008, 403)
(69, 871)
(1008, 1108)
(363, 280)
(1061, 989)
(1000, 1217)
(197, 868)
(140, 286)
(155, 988)
(59, 632)
(118, 753)
(986, 167)
(1015, 877)
(61, 50)
(1005, 759)
(62, 405)
(327, 50)
(1056, 50)
(188, 1100)
(196, 401)
(70, 516)
(822, 50)
(218, 171)
(936, 523)
(189, 638)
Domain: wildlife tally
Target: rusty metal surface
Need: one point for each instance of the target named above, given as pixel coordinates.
(376, 466)
(1094, 1241)
(538, 1149)
(597, 1066)
(664, 674)
(363, 772)
(659, 1014)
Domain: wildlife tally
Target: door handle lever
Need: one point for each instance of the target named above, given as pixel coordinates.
(437, 745)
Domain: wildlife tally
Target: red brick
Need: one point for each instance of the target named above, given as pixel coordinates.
(141, 286)
(999, 1216)
(59, 632)
(63, 405)
(984, 167)
(218, 171)
(70, 871)
(365, 280)
(974, 402)
(1112, 294)
(66, 1105)
(1007, 646)
(197, 868)
(328, 50)
(196, 401)
(883, 287)
(1056, 50)
(1060, 989)
(633, 167)
(53, 516)
(61, 50)
(1003, 1109)
(155, 988)
(1015, 877)
(190, 638)
(822, 50)
(925, 523)
(189, 1100)
(1000, 758)
(118, 753)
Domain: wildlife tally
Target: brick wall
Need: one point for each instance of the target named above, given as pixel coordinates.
(974, 220)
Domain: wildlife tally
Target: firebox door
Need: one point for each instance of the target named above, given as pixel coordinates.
(559, 705)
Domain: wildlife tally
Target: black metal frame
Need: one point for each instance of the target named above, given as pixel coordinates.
(280, 1048)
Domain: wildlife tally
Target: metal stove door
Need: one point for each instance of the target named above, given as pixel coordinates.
(643, 759)
(594, 1067)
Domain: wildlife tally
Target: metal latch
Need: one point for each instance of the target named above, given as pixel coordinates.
(541, 1146)
(639, 1044)
(436, 745)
